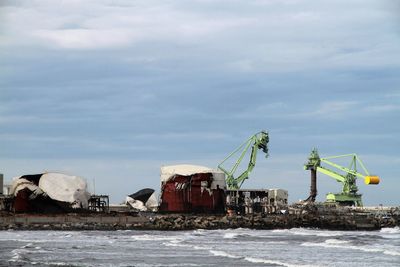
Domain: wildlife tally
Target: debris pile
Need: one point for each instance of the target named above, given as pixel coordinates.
(49, 192)
(143, 200)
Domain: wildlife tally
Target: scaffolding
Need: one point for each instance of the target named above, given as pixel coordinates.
(99, 203)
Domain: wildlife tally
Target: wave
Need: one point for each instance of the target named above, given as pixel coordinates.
(147, 237)
(336, 241)
(219, 253)
(394, 230)
(230, 235)
(308, 232)
(18, 255)
(29, 245)
(275, 262)
(170, 244)
(341, 245)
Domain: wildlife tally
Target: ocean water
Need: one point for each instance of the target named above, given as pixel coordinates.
(233, 247)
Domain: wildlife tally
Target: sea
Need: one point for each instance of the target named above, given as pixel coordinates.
(232, 247)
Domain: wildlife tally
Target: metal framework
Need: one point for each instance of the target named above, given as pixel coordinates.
(257, 141)
(349, 194)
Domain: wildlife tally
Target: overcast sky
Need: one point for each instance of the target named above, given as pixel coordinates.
(111, 90)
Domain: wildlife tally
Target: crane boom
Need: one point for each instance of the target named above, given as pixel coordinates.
(332, 174)
(256, 141)
(349, 170)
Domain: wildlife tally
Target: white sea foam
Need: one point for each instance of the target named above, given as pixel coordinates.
(394, 230)
(336, 241)
(391, 252)
(307, 232)
(56, 263)
(231, 235)
(199, 232)
(18, 255)
(169, 244)
(275, 262)
(361, 248)
(152, 238)
(175, 243)
(219, 253)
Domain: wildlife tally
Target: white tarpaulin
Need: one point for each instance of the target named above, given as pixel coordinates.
(66, 188)
(152, 202)
(136, 204)
(167, 172)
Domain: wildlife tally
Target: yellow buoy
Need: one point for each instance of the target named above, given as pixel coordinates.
(372, 179)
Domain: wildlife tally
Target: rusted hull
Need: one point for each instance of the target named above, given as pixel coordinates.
(25, 201)
(192, 194)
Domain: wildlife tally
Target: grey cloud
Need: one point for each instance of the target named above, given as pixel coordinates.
(161, 82)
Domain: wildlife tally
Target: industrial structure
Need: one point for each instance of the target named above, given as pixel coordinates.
(192, 189)
(349, 195)
(189, 189)
(255, 142)
(249, 201)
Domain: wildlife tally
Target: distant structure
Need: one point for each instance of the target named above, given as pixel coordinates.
(192, 189)
(49, 192)
(1, 183)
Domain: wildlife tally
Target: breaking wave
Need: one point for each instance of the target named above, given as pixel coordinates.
(147, 237)
(275, 262)
(334, 243)
(230, 235)
(308, 232)
(394, 230)
(224, 254)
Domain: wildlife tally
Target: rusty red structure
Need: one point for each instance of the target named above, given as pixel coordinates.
(192, 189)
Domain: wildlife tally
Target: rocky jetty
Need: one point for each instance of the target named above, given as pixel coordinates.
(305, 216)
(331, 222)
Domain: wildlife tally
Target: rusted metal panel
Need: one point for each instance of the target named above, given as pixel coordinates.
(26, 201)
(21, 200)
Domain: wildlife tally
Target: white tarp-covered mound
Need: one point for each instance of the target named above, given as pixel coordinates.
(57, 186)
(65, 188)
(168, 172)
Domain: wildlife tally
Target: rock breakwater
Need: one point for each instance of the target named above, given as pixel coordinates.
(331, 221)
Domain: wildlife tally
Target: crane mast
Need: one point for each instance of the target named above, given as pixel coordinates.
(255, 142)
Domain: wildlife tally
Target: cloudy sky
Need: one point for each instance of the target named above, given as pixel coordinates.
(110, 90)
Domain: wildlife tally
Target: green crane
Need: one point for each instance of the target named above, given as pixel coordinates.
(257, 141)
(349, 194)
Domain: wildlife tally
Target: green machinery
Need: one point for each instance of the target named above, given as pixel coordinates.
(258, 141)
(349, 195)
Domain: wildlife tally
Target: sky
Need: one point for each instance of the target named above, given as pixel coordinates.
(111, 90)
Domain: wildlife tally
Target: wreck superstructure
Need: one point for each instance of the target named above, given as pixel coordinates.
(49, 192)
(192, 188)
